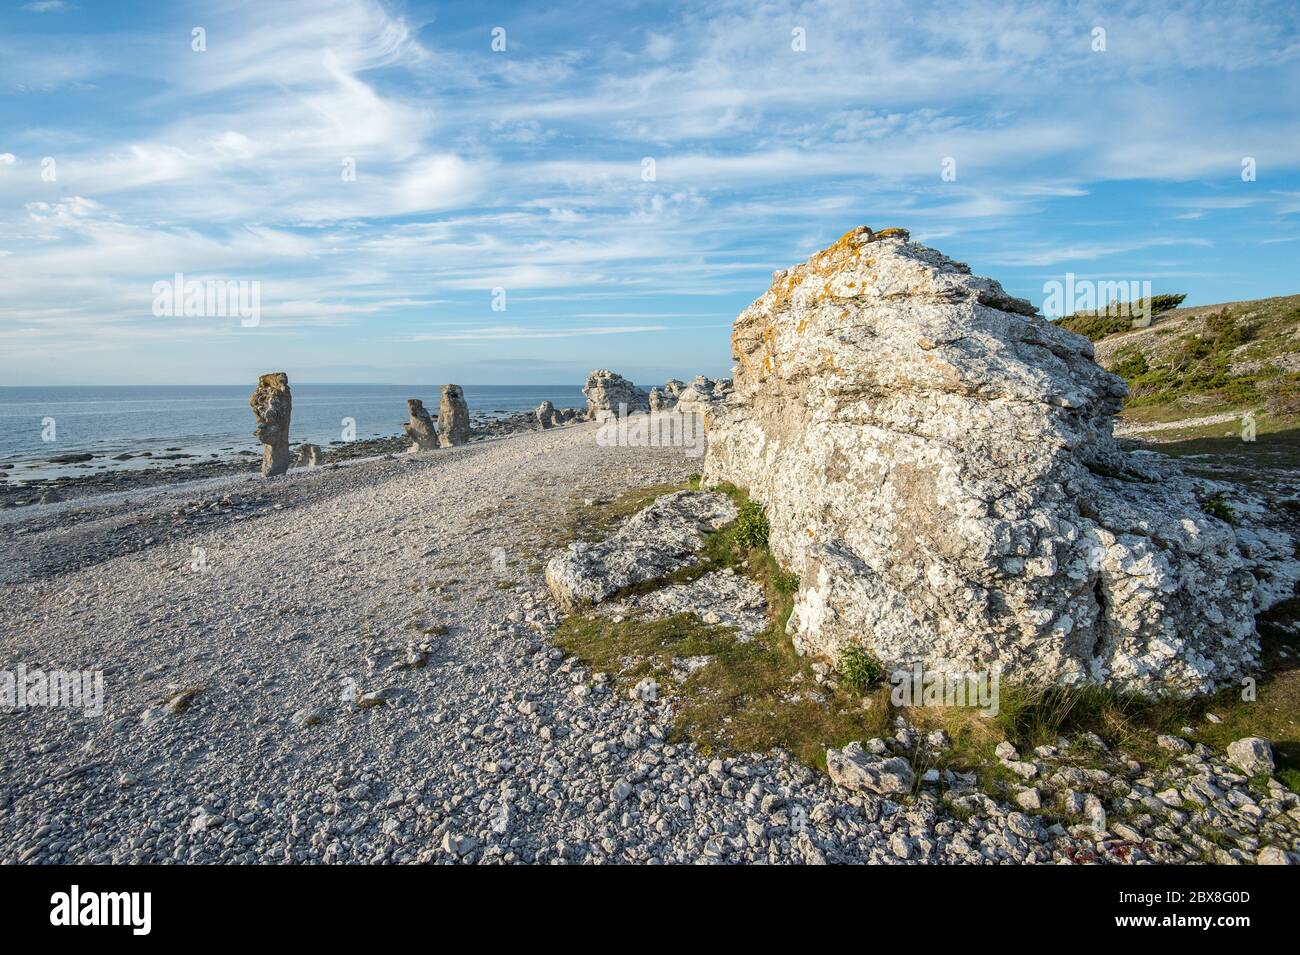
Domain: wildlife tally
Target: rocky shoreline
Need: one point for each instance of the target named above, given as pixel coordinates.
(606, 393)
(185, 467)
(362, 669)
(570, 647)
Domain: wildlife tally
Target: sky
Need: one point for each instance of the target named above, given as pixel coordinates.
(498, 193)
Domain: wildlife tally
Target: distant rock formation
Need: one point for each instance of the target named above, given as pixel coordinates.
(605, 391)
(937, 465)
(309, 456)
(702, 395)
(421, 428)
(272, 404)
(665, 398)
(546, 415)
(453, 417)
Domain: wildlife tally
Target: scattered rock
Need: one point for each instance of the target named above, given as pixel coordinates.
(1029, 799)
(854, 768)
(309, 455)
(1252, 755)
(308, 716)
(458, 845)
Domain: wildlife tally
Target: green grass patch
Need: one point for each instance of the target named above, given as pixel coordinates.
(749, 697)
(593, 522)
(860, 669)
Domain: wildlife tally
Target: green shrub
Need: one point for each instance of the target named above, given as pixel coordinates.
(752, 528)
(1165, 303)
(859, 669)
(785, 583)
(1117, 316)
(1130, 365)
(1218, 507)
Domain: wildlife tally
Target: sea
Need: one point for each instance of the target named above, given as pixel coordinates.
(40, 423)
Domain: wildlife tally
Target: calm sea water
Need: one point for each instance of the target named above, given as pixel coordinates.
(206, 419)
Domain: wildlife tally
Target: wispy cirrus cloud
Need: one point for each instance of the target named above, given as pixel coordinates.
(382, 171)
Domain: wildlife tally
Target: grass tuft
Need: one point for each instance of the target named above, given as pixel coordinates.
(859, 669)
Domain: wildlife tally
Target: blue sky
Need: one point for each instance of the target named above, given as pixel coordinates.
(522, 169)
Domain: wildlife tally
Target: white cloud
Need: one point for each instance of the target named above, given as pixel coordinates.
(477, 170)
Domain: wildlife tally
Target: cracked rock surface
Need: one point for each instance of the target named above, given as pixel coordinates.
(658, 540)
(938, 467)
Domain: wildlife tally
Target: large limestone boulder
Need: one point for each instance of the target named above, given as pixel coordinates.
(937, 465)
(606, 391)
(272, 404)
(421, 428)
(453, 417)
(547, 415)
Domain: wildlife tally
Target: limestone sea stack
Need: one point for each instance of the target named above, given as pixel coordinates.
(938, 467)
(272, 404)
(606, 391)
(546, 415)
(453, 417)
(420, 427)
(665, 398)
(702, 395)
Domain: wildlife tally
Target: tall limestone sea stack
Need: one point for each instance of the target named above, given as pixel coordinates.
(272, 404)
(453, 417)
(937, 465)
(420, 428)
(605, 391)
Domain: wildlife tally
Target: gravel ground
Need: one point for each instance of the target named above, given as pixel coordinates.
(352, 664)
